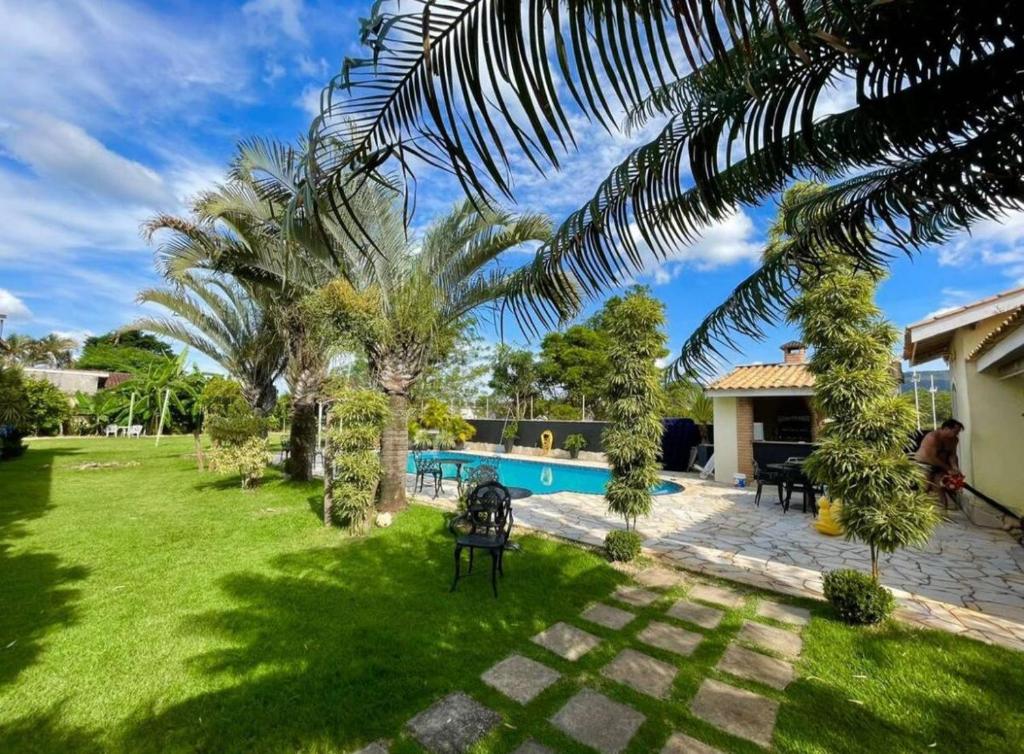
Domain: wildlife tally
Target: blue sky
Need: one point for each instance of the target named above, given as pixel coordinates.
(111, 111)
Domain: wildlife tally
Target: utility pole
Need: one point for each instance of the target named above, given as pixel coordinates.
(916, 379)
(933, 390)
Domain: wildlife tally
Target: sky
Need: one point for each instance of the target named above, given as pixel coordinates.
(113, 111)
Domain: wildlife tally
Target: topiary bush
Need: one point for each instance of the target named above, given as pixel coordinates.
(239, 443)
(622, 545)
(857, 598)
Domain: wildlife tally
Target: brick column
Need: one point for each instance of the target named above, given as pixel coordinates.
(745, 436)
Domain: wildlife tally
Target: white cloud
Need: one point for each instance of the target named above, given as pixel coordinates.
(282, 14)
(996, 243)
(309, 100)
(729, 241)
(313, 68)
(13, 306)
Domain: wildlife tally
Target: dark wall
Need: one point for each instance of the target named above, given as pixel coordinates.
(680, 435)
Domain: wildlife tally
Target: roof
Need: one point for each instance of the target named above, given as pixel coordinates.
(116, 378)
(792, 344)
(930, 338)
(998, 333)
(779, 379)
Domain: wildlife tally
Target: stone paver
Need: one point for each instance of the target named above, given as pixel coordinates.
(520, 678)
(598, 722)
(717, 595)
(636, 596)
(607, 616)
(778, 640)
(699, 615)
(680, 743)
(377, 747)
(795, 616)
(754, 666)
(660, 578)
(453, 724)
(566, 641)
(529, 746)
(670, 638)
(641, 673)
(737, 711)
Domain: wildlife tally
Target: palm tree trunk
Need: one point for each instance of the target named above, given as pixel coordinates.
(302, 438)
(394, 453)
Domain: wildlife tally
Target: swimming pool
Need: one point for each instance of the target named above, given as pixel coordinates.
(540, 476)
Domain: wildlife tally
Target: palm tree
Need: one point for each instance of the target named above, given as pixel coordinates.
(930, 142)
(221, 319)
(405, 310)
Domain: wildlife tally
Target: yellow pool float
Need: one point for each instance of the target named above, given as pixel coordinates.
(828, 517)
(547, 441)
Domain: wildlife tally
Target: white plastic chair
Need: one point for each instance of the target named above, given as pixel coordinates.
(134, 431)
(110, 430)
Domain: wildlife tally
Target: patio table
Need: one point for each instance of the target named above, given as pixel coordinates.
(793, 472)
(458, 462)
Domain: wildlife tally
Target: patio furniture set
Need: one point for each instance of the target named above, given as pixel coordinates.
(113, 430)
(787, 477)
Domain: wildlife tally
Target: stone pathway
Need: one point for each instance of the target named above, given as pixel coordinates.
(968, 580)
(758, 654)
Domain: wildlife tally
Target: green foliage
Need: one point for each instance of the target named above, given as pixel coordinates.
(458, 378)
(101, 408)
(510, 432)
(239, 444)
(635, 400)
(130, 351)
(861, 456)
(47, 409)
(943, 406)
(355, 425)
(13, 397)
(685, 399)
(282, 410)
(857, 598)
(436, 414)
(130, 338)
(574, 443)
(51, 350)
(575, 364)
(222, 396)
(514, 378)
(622, 545)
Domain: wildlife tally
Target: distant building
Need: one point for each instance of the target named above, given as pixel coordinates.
(983, 343)
(71, 381)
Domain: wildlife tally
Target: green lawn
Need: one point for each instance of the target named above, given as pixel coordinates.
(150, 608)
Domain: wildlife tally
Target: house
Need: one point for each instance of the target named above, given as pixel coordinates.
(71, 381)
(763, 412)
(983, 343)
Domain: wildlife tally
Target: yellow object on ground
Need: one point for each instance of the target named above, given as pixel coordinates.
(828, 517)
(547, 441)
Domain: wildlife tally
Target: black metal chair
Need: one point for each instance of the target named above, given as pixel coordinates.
(427, 467)
(765, 476)
(480, 474)
(486, 525)
(797, 481)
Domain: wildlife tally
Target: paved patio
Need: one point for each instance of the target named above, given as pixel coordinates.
(967, 580)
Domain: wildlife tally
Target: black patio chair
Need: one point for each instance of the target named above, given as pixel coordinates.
(480, 474)
(427, 467)
(797, 481)
(486, 525)
(765, 476)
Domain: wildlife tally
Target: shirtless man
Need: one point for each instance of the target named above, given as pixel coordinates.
(938, 453)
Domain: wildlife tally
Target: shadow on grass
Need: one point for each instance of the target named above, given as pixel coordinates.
(35, 593)
(338, 646)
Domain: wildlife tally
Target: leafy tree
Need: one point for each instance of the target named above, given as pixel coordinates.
(107, 355)
(575, 363)
(353, 466)
(47, 409)
(514, 378)
(99, 409)
(51, 350)
(229, 324)
(150, 388)
(943, 406)
(458, 379)
(128, 338)
(686, 399)
(13, 397)
(635, 401)
(927, 144)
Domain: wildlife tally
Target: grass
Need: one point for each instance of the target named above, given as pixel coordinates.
(150, 608)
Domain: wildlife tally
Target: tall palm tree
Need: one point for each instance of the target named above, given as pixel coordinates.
(929, 140)
(221, 319)
(406, 309)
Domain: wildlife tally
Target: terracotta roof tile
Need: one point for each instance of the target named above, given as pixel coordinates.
(997, 334)
(765, 377)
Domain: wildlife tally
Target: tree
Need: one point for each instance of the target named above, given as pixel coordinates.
(51, 350)
(47, 409)
(128, 351)
(128, 338)
(929, 144)
(635, 401)
(13, 396)
(514, 378)
(686, 399)
(406, 312)
(352, 469)
(229, 324)
(458, 379)
(575, 364)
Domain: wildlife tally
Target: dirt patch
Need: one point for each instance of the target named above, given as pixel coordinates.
(95, 465)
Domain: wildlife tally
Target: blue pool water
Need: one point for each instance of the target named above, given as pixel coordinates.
(538, 476)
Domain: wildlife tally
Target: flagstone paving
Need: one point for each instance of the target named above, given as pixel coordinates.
(607, 616)
(598, 722)
(532, 747)
(680, 743)
(660, 578)
(670, 638)
(635, 596)
(641, 673)
(699, 615)
(566, 641)
(777, 640)
(738, 711)
(717, 595)
(377, 747)
(453, 725)
(520, 678)
(796, 616)
(754, 666)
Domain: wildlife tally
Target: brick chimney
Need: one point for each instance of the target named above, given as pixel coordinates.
(794, 352)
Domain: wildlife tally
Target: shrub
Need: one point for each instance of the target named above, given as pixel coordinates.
(622, 545)
(856, 597)
(574, 444)
(239, 443)
(48, 409)
(355, 425)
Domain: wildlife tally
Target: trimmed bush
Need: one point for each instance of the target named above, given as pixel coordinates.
(574, 444)
(239, 443)
(857, 598)
(622, 545)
